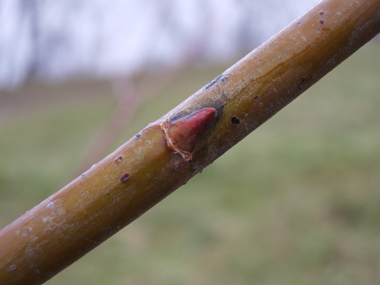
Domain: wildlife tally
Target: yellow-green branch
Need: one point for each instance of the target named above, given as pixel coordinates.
(168, 152)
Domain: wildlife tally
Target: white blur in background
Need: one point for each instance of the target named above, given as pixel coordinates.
(55, 40)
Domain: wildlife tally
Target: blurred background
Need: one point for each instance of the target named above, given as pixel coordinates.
(296, 202)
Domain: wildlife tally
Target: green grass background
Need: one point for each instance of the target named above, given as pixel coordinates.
(296, 202)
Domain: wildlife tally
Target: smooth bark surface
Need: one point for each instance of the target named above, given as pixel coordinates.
(168, 152)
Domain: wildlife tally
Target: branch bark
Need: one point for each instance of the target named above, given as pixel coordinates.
(168, 152)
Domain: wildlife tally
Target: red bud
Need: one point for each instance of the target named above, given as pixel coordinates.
(184, 134)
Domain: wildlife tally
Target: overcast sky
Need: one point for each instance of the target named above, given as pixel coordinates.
(61, 38)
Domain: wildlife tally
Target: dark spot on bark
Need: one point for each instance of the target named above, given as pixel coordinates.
(321, 22)
(118, 159)
(235, 120)
(303, 78)
(35, 269)
(225, 77)
(256, 97)
(214, 81)
(321, 13)
(138, 136)
(124, 178)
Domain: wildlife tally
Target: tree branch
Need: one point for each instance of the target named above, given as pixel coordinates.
(145, 169)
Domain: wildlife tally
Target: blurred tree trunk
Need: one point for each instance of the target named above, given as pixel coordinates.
(168, 152)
